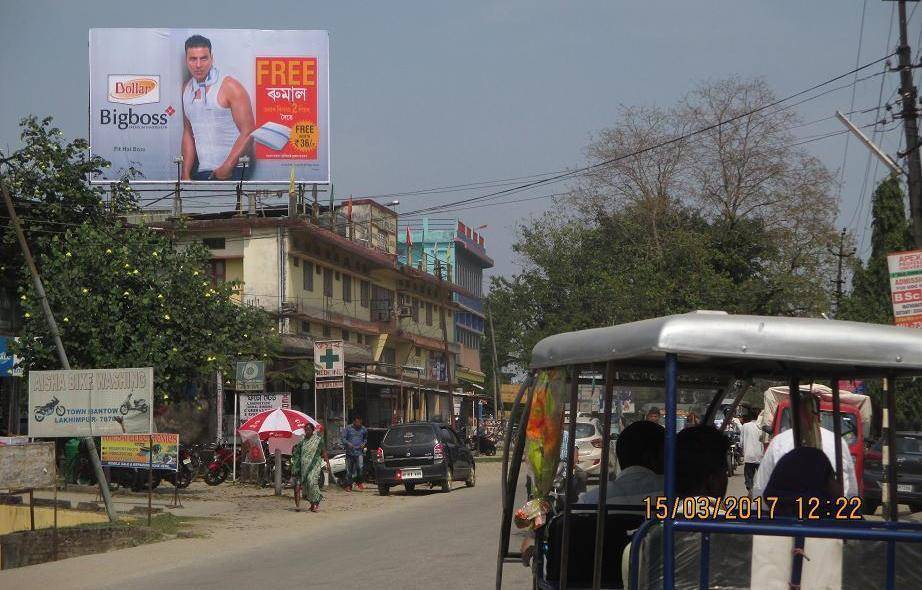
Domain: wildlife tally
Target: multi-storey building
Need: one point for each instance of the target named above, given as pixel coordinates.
(460, 250)
(337, 276)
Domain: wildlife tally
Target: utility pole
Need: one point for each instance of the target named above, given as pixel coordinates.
(496, 381)
(444, 326)
(841, 254)
(56, 336)
(911, 127)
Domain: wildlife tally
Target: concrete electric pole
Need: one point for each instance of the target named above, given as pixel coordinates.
(911, 127)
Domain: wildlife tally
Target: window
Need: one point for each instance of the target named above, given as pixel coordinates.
(308, 271)
(415, 310)
(327, 282)
(214, 243)
(326, 331)
(365, 293)
(419, 351)
(347, 288)
(345, 335)
(428, 313)
(305, 327)
(217, 271)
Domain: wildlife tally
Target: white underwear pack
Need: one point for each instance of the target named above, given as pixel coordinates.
(273, 135)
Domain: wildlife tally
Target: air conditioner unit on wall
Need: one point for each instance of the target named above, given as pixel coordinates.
(404, 311)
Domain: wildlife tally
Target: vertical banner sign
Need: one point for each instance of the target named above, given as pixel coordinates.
(91, 402)
(211, 96)
(906, 287)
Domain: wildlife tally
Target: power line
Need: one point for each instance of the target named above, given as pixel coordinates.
(672, 141)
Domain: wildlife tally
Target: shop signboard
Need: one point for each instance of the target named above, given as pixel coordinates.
(906, 287)
(329, 361)
(91, 402)
(136, 450)
(250, 376)
(251, 405)
(9, 363)
(158, 94)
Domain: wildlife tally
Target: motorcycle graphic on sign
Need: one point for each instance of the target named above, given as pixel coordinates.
(52, 407)
(138, 405)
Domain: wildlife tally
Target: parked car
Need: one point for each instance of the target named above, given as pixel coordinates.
(589, 448)
(422, 452)
(909, 468)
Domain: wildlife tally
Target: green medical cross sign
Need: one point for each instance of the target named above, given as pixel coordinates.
(329, 358)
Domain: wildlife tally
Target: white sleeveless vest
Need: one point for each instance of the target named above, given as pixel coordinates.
(212, 125)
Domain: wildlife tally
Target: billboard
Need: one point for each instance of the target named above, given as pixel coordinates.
(90, 402)
(211, 96)
(329, 361)
(906, 287)
(250, 376)
(134, 450)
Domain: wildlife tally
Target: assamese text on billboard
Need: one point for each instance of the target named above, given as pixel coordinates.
(235, 104)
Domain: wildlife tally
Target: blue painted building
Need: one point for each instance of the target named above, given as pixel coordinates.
(459, 251)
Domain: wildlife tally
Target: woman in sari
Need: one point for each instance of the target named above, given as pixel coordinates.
(307, 459)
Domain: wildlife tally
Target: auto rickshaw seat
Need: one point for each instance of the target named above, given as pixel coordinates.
(618, 527)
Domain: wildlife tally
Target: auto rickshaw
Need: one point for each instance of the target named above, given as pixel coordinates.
(723, 353)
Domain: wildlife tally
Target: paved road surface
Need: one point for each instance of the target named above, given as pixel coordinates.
(436, 541)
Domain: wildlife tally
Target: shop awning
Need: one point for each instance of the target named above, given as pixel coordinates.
(373, 379)
(304, 345)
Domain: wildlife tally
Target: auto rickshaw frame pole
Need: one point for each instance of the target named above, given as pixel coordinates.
(508, 499)
(669, 456)
(568, 477)
(837, 430)
(794, 394)
(602, 517)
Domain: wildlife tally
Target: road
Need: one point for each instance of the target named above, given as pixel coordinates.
(431, 540)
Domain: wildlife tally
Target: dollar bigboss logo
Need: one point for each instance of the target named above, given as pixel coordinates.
(131, 89)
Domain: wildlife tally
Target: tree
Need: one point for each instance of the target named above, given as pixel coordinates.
(125, 297)
(735, 218)
(869, 299)
(122, 295)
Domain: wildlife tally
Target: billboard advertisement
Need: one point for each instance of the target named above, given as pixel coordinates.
(906, 287)
(161, 451)
(91, 402)
(234, 104)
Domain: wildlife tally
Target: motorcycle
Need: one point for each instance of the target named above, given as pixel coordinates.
(486, 445)
(187, 470)
(138, 405)
(734, 453)
(52, 407)
(219, 469)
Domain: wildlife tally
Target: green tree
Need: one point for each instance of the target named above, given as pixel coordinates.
(869, 299)
(123, 296)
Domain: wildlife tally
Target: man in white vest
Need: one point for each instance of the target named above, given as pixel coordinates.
(217, 118)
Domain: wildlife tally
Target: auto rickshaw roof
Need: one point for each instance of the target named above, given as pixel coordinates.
(755, 346)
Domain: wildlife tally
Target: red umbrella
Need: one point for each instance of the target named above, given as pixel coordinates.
(279, 423)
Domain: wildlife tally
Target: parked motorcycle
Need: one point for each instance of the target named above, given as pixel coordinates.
(187, 470)
(734, 453)
(219, 469)
(486, 444)
(52, 407)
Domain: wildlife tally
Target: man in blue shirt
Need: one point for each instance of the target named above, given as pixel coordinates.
(355, 439)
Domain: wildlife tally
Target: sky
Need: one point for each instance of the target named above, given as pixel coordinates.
(434, 93)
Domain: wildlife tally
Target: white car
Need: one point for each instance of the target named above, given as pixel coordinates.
(338, 464)
(589, 448)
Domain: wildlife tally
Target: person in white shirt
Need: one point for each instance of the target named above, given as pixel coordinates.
(784, 443)
(640, 455)
(751, 439)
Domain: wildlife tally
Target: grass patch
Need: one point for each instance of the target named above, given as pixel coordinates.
(165, 523)
(488, 459)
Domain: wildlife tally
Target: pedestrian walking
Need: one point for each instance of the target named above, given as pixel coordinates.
(307, 458)
(355, 439)
(751, 439)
